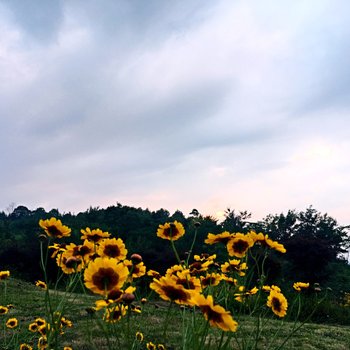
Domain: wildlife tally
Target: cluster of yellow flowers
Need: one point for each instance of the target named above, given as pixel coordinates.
(187, 284)
(103, 261)
(108, 272)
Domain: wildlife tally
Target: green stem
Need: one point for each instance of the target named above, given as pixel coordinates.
(204, 335)
(192, 245)
(175, 251)
(221, 340)
(128, 327)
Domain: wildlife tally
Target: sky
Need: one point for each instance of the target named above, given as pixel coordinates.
(176, 104)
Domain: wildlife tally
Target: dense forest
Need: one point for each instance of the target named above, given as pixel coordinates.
(317, 247)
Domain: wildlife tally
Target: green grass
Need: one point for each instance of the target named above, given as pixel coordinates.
(28, 303)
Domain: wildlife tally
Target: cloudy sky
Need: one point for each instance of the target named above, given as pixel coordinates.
(176, 104)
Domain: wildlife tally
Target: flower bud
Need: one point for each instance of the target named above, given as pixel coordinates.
(136, 258)
(128, 298)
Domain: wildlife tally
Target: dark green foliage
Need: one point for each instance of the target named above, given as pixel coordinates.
(315, 242)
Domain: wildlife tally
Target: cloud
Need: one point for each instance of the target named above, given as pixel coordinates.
(174, 104)
(39, 20)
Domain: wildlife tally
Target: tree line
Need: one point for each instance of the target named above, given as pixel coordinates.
(317, 246)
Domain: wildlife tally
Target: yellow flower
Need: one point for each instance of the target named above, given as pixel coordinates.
(40, 322)
(198, 267)
(136, 309)
(43, 330)
(67, 348)
(65, 322)
(264, 240)
(136, 270)
(25, 347)
(87, 251)
(173, 270)
(33, 327)
(167, 289)
(94, 235)
(215, 314)
(277, 302)
(114, 314)
(269, 288)
(275, 245)
(12, 323)
(257, 237)
(57, 249)
(139, 337)
(204, 257)
(103, 275)
(4, 274)
(69, 263)
(239, 244)
(229, 280)
(112, 248)
(188, 282)
(242, 295)
(222, 237)
(211, 279)
(42, 343)
(54, 228)
(101, 304)
(3, 310)
(41, 284)
(160, 347)
(154, 274)
(299, 286)
(234, 265)
(151, 346)
(171, 231)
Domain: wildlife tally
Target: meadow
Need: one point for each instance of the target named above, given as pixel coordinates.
(29, 303)
(102, 298)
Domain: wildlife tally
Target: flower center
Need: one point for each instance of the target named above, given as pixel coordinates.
(174, 293)
(105, 278)
(276, 304)
(211, 314)
(54, 231)
(240, 246)
(111, 250)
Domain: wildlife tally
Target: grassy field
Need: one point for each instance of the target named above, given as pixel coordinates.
(86, 334)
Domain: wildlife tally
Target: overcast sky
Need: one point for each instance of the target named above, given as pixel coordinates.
(176, 104)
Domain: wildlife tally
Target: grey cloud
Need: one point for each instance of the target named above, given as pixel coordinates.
(138, 22)
(39, 19)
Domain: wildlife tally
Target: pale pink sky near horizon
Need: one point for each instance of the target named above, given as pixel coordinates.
(176, 105)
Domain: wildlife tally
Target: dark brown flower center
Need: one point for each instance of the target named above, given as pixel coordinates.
(188, 284)
(84, 250)
(240, 246)
(111, 250)
(276, 304)
(208, 281)
(172, 231)
(116, 314)
(54, 231)
(114, 294)
(211, 314)
(105, 278)
(94, 238)
(71, 262)
(195, 266)
(175, 294)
